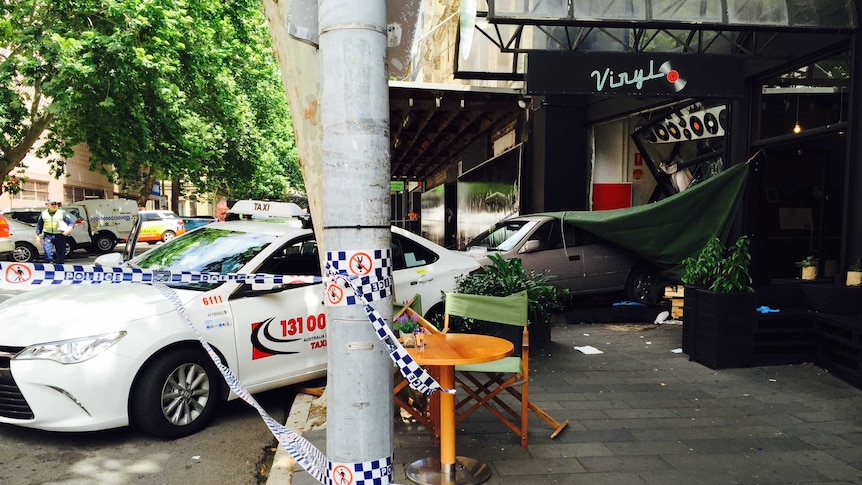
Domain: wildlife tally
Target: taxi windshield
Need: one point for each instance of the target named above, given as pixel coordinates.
(206, 250)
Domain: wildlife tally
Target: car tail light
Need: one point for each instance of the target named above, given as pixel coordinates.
(4, 228)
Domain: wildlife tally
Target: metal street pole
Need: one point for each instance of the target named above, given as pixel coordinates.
(354, 113)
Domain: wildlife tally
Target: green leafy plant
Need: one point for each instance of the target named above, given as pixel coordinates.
(722, 270)
(808, 261)
(507, 276)
(855, 266)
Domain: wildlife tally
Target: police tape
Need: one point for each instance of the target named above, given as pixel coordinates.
(365, 286)
(18, 275)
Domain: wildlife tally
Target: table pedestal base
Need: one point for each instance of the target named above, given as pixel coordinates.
(467, 471)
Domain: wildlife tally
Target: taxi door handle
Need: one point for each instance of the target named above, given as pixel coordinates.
(423, 279)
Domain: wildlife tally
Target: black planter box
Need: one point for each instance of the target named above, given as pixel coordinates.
(720, 328)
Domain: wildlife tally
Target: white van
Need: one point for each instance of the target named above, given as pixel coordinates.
(108, 221)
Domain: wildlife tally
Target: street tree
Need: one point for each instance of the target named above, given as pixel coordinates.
(156, 89)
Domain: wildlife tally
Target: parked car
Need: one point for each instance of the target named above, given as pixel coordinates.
(121, 353)
(160, 225)
(7, 245)
(576, 259)
(26, 248)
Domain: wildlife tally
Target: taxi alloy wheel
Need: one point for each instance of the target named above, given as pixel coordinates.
(168, 235)
(176, 395)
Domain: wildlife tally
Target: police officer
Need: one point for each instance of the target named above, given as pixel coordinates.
(53, 226)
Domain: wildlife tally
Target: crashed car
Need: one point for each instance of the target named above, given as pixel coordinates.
(110, 355)
(573, 258)
(637, 250)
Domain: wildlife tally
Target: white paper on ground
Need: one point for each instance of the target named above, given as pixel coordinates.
(588, 349)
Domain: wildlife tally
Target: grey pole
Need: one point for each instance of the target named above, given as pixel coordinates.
(354, 112)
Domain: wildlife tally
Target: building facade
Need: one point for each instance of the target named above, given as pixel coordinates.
(624, 103)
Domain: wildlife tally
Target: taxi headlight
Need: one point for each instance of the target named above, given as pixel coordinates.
(71, 351)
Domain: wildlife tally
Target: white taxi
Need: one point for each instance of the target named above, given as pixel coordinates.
(89, 357)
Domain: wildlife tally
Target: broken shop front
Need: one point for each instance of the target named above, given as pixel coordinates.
(627, 129)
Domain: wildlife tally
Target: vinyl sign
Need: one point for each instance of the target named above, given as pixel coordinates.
(659, 74)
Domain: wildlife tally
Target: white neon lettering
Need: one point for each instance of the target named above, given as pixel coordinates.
(637, 77)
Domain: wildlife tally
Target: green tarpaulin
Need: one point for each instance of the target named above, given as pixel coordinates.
(672, 229)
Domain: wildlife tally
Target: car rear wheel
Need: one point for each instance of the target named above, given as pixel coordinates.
(24, 252)
(104, 243)
(177, 394)
(70, 246)
(168, 235)
(642, 285)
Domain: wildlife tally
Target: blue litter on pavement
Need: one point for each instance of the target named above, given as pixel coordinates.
(766, 309)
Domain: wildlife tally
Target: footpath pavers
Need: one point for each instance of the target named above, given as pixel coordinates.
(641, 413)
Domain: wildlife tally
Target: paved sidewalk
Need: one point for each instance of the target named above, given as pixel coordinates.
(641, 414)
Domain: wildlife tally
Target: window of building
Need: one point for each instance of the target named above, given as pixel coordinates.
(33, 190)
(74, 194)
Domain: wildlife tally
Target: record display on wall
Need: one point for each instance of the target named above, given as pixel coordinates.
(697, 123)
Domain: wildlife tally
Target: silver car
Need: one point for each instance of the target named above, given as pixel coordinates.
(576, 259)
(26, 247)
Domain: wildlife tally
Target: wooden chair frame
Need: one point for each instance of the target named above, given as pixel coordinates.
(430, 414)
(484, 388)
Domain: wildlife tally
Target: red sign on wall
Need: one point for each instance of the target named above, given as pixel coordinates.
(612, 196)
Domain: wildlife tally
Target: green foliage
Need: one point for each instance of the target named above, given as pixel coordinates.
(505, 277)
(856, 265)
(808, 261)
(154, 88)
(722, 270)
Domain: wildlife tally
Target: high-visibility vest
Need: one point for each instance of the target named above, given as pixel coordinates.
(51, 223)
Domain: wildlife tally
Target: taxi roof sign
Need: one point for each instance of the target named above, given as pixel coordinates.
(267, 208)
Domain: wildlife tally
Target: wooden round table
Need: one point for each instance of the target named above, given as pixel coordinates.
(445, 351)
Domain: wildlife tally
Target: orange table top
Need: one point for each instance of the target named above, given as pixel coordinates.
(460, 348)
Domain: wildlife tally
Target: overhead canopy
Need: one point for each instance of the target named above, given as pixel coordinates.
(762, 29)
(672, 229)
(432, 125)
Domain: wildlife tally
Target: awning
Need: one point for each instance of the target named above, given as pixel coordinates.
(432, 125)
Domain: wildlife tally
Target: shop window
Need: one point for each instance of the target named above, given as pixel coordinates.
(813, 96)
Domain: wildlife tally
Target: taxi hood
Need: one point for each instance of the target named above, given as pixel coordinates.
(59, 312)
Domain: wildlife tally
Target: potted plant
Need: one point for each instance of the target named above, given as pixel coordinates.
(406, 326)
(720, 302)
(809, 267)
(507, 276)
(854, 273)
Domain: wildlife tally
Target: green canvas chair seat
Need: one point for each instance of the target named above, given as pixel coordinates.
(510, 365)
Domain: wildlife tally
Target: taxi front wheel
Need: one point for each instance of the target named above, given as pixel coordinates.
(176, 395)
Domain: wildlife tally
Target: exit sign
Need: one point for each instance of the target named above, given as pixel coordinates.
(396, 186)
